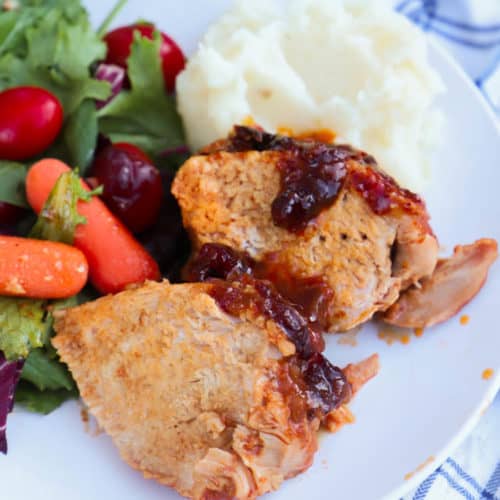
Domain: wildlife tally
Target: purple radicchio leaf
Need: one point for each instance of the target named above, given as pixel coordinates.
(113, 74)
(180, 150)
(10, 371)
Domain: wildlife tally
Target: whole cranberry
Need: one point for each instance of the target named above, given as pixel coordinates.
(327, 385)
(132, 185)
(215, 260)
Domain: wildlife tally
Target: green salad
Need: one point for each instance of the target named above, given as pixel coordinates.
(112, 100)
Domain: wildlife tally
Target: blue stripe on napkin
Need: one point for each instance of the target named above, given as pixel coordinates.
(493, 484)
(426, 15)
(454, 484)
(464, 475)
(424, 488)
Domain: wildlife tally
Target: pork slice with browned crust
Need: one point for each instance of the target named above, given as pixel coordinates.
(305, 210)
(212, 403)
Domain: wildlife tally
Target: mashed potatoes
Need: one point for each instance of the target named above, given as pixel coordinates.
(353, 66)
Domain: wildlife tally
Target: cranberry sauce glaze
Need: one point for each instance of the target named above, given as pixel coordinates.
(322, 386)
(309, 295)
(249, 293)
(313, 173)
(241, 284)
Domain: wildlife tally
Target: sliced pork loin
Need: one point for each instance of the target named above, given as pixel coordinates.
(303, 210)
(452, 285)
(201, 389)
(324, 219)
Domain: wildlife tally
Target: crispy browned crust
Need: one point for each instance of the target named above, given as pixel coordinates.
(358, 374)
(455, 282)
(226, 198)
(339, 417)
(190, 395)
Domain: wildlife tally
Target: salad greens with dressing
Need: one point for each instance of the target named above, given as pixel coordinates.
(51, 44)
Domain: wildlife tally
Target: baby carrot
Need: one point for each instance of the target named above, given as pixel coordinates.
(116, 259)
(40, 269)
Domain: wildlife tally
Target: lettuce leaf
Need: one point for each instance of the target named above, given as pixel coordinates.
(24, 326)
(44, 402)
(42, 367)
(80, 135)
(45, 372)
(12, 185)
(51, 44)
(45, 381)
(145, 115)
(13, 23)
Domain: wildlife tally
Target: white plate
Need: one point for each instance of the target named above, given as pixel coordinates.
(429, 393)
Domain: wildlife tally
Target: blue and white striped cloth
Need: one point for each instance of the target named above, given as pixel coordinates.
(470, 30)
(473, 472)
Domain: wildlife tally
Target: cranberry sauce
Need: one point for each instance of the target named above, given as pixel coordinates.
(383, 194)
(219, 261)
(284, 313)
(323, 386)
(309, 295)
(297, 306)
(249, 293)
(239, 287)
(326, 385)
(313, 173)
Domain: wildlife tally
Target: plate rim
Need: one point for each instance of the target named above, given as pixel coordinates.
(494, 384)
